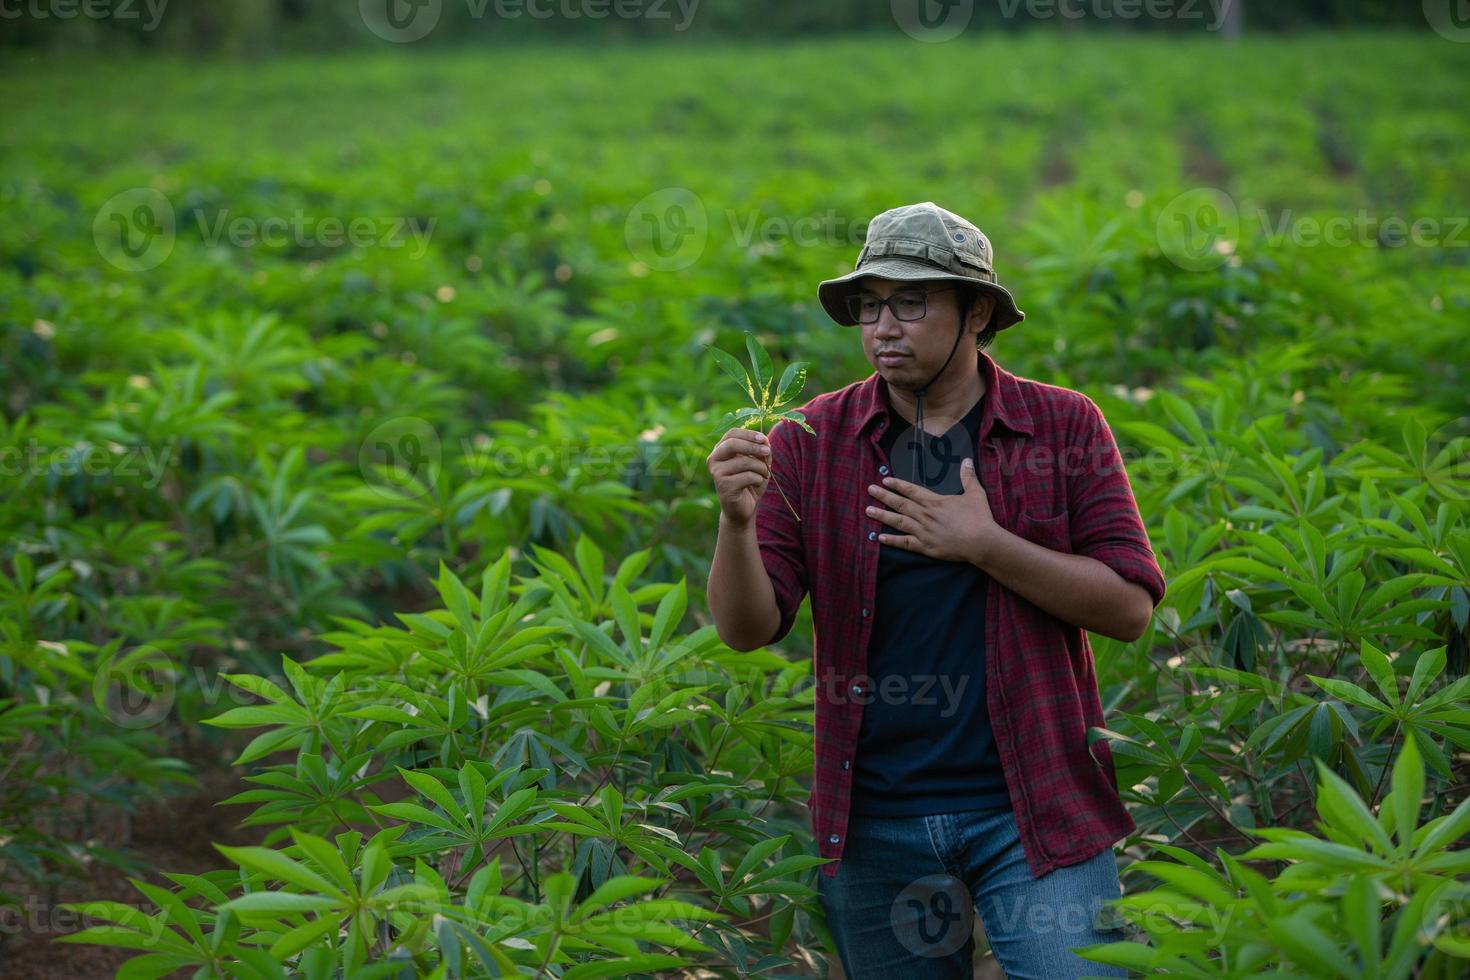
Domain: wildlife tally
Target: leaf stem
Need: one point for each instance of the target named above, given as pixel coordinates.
(784, 497)
(778, 482)
(1387, 765)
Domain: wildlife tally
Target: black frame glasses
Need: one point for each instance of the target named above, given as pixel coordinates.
(855, 305)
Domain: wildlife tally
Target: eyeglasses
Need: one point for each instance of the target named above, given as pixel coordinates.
(906, 304)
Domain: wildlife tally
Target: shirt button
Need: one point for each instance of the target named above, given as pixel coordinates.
(847, 763)
(882, 471)
(857, 689)
(865, 612)
(872, 535)
(833, 839)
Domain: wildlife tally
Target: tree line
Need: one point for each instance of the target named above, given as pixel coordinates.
(255, 27)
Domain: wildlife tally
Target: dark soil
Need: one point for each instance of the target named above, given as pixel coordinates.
(174, 834)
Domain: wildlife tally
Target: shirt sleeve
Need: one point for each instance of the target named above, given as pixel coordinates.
(777, 531)
(1103, 514)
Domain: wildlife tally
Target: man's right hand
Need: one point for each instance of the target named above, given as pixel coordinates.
(741, 466)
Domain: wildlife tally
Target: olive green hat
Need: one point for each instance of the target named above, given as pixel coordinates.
(922, 242)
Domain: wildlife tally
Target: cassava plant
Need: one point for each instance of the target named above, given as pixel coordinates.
(766, 407)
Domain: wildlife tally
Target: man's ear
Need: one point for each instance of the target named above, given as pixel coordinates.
(980, 312)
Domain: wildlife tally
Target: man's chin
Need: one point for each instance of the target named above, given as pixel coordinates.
(901, 369)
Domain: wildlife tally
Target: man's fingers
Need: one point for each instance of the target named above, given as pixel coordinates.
(732, 447)
(744, 440)
(743, 464)
(895, 501)
(742, 480)
(895, 520)
(909, 490)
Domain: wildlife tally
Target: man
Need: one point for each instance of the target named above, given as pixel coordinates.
(959, 528)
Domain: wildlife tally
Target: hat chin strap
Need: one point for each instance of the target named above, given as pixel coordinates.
(920, 469)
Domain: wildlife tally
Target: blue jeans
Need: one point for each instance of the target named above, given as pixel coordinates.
(904, 898)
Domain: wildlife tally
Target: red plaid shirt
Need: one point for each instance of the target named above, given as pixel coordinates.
(1053, 474)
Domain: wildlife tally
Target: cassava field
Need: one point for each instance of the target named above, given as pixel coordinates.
(356, 522)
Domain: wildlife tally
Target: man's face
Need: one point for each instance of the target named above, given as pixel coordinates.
(920, 346)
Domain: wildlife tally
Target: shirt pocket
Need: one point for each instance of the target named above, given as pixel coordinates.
(1037, 492)
(1048, 530)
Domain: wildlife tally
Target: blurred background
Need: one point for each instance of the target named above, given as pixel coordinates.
(262, 27)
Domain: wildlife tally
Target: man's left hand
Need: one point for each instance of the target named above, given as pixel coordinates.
(947, 526)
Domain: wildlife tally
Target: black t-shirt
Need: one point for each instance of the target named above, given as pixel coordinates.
(925, 745)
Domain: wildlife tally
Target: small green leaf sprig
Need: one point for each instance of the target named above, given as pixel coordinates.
(766, 407)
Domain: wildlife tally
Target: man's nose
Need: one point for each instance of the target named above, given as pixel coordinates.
(888, 324)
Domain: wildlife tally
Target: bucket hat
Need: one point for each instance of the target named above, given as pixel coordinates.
(922, 242)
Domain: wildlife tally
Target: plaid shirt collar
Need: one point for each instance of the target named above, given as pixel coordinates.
(1005, 406)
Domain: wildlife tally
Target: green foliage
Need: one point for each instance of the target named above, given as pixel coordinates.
(417, 539)
(1377, 895)
(509, 715)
